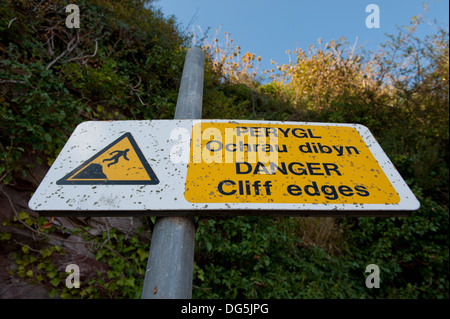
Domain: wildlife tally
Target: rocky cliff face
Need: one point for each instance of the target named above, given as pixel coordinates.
(27, 236)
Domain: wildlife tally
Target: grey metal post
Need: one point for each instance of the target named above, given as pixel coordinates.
(171, 259)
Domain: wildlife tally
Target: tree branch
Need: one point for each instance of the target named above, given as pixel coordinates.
(69, 49)
(11, 21)
(86, 56)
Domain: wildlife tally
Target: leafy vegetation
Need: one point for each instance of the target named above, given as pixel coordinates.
(122, 277)
(125, 62)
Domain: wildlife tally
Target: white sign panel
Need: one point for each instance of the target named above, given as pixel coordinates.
(198, 167)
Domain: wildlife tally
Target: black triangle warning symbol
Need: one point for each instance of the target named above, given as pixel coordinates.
(119, 163)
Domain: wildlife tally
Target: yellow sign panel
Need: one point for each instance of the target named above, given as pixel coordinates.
(276, 163)
(121, 162)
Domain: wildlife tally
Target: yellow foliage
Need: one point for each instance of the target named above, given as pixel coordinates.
(326, 72)
(228, 61)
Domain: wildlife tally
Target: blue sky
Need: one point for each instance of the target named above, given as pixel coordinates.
(269, 28)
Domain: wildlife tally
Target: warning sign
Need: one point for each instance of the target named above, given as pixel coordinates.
(261, 163)
(209, 167)
(120, 163)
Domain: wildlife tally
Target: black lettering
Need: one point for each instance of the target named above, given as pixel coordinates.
(240, 130)
(247, 187)
(227, 182)
(254, 131)
(219, 147)
(311, 135)
(329, 192)
(274, 167)
(324, 149)
(285, 133)
(311, 169)
(351, 147)
(362, 191)
(243, 145)
(271, 131)
(267, 185)
(241, 188)
(339, 150)
(329, 167)
(256, 186)
(302, 135)
(238, 168)
(299, 171)
(294, 190)
(258, 168)
(228, 146)
(315, 189)
(345, 190)
(283, 150)
(307, 150)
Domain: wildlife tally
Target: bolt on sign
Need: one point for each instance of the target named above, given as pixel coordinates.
(201, 167)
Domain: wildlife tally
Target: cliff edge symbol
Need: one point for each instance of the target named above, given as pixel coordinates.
(120, 163)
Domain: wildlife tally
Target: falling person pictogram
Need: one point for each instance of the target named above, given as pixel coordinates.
(107, 168)
(116, 157)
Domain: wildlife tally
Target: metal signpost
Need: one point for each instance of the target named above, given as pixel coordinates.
(187, 167)
(170, 264)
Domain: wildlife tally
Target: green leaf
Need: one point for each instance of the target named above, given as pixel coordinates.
(41, 265)
(23, 215)
(48, 137)
(55, 281)
(29, 221)
(130, 282)
(46, 253)
(66, 295)
(142, 254)
(53, 293)
(5, 236)
(100, 254)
